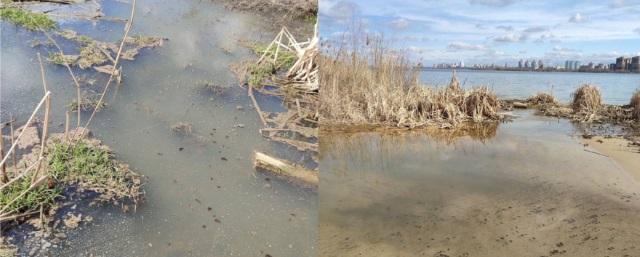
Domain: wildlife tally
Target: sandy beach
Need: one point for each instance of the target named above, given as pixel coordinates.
(618, 149)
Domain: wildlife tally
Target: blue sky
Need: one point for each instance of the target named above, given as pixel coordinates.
(493, 31)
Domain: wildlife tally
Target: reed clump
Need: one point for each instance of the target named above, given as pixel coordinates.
(586, 98)
(378, 87)
(635, 104)
(542, 99)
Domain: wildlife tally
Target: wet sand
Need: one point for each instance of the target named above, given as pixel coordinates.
(531, 190)
(619, 150)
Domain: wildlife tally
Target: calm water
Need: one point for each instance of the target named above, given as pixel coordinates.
(526, 189)
(616, 88)
(203, 195)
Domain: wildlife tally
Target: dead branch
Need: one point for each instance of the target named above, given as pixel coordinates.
(285, 169)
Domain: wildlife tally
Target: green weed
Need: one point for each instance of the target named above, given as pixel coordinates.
(27, 19)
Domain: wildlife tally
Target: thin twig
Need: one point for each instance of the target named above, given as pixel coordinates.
(73, 76)
(45, 129)
(255, 105)
(26, 125)
(12, 217)
(66, 125)
(13, 155)
(115, 64)
(24, 173)
(33, 185)
(3, 176)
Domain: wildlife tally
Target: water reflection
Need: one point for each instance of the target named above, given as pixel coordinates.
(529, 188)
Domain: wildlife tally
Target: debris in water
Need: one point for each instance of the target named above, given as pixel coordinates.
(182, 128)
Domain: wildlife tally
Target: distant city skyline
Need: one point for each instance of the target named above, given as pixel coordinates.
(493, 31)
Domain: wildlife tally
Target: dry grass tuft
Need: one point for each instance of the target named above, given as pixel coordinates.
(542, 99)
(481, 104)
(378, 87)
(586, 98)
(635, 104)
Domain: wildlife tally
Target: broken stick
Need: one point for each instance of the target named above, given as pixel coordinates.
(285, 169)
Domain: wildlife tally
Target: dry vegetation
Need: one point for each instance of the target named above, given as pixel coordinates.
(542, 99)
(587, 106)
(635, 104)
(377, 87)
(586, 98)
(290, 69)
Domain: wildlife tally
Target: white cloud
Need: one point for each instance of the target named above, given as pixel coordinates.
(576, 18)
(400, 23)
(457, 46)
(624, 3)
(563, 49)
(637, 30)
(497, 3)
(505, 28)
(536, 29)
(510, 38)
(342, 10)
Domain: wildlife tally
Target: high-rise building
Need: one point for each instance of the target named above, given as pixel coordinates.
(576, 65)
(567, 66)
(620, 63)
(520, 64)
(540, 65)
(635, 64)
(526, 64)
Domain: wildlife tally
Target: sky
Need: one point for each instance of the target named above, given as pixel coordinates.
(492, 31)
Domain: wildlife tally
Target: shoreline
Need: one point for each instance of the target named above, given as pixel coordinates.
(623, 151)
(531, 71)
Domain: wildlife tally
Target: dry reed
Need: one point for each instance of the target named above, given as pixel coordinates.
(542, 99)
(586, 98)
(378, 87)
(635, 104)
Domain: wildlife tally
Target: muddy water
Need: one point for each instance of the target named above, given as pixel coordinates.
(203, 197)
(530, 189)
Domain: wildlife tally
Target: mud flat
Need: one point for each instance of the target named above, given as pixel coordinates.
(531, 189)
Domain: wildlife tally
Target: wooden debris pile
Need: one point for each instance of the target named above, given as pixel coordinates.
(298, 88)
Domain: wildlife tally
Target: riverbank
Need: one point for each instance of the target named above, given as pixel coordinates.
(625, 151)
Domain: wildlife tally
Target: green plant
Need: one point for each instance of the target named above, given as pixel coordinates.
(27, 19)
(285, 58)
(258, 73)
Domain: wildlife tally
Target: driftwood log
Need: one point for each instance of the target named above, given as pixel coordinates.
(520, 105)
(282, 168)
